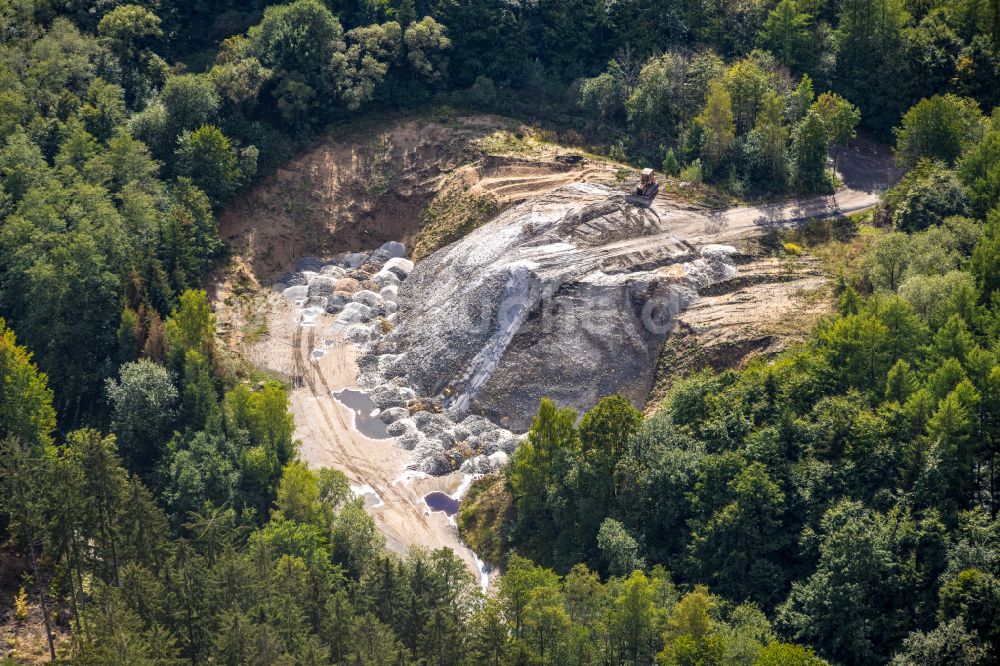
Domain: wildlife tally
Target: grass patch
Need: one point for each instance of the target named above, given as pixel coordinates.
(516, 142)
(486, 507)
(449, 216)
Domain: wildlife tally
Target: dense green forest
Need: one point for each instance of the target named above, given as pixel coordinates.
(837, 504)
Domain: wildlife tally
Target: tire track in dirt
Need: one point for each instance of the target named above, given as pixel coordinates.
(327, 438)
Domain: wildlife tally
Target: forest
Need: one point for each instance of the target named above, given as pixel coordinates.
(835, 504)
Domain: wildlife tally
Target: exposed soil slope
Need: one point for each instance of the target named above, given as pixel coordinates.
(359, 191)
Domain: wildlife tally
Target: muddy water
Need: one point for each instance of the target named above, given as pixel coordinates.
(438, 501)
(366, 420)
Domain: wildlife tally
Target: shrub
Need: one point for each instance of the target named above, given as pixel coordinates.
(926, 196)
(21, 605)
(692, 173)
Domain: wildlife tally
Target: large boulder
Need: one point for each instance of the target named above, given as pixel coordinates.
(355, 259)
(401, 267)
(369, 298)
(389, 293)
(393, 414)
(375, 261)
(297, 292)
(394, 249)
(355, 313)
(402, 427)
(385, 279)
(333, 270)
(322, 285)
(336, 301)
(347, 285)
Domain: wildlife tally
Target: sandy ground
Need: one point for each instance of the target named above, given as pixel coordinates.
(327, 436)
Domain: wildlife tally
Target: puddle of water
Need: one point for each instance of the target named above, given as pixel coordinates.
(438, 501)
(372, 498)
(366, 420)
(448, 504)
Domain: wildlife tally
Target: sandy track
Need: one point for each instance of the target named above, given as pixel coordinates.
(327, 437)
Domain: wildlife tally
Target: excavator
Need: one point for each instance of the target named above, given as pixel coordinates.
(644, 195)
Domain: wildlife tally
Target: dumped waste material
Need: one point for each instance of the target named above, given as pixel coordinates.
(441, 441)
(567, 296)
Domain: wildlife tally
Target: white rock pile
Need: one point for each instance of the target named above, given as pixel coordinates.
(360, 289)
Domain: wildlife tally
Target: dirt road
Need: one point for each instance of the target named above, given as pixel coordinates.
(865, 170)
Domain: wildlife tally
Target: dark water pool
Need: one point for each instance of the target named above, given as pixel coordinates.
(361, 404)
(438, 501)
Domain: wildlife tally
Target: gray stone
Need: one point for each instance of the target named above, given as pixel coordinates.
(477, 465)
(359, 275)
(401, 267)
(386, 279)
(401, 427)
(476, 424)
(376, 260)
(336, 302)
(359, 335)
(408, 440)
(431, 424)
(386, 396)
(322, 285)
(369, 298)
(355, 313)
(333, 270)
(355, 259)
(498, 460)
(316, 302)
(391, 365)
(296, 292)
(389, 293)
(394, 249)
(434, 463)
(393, 414)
